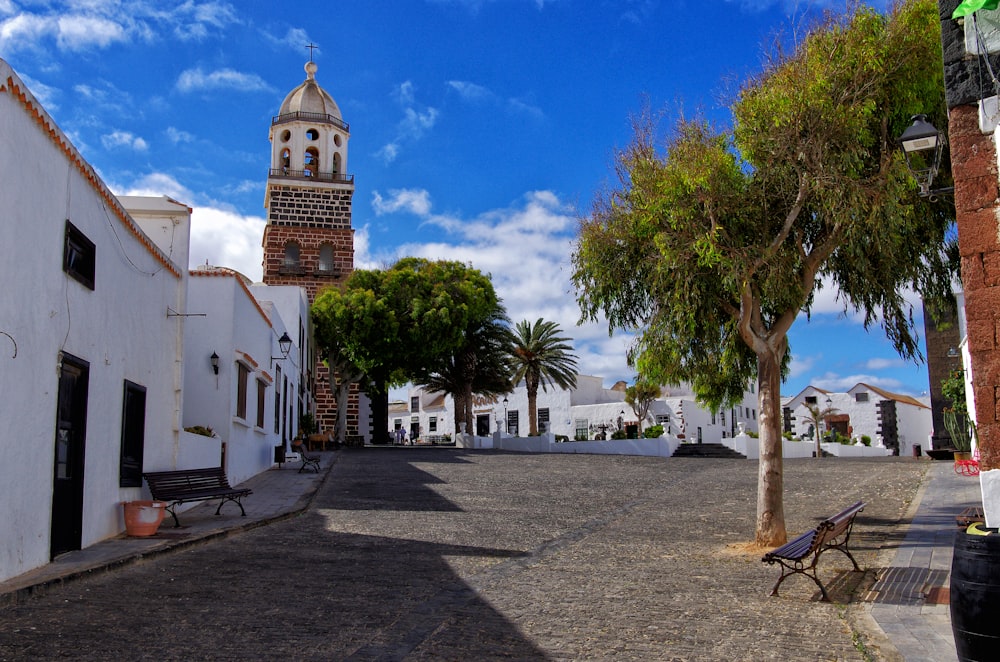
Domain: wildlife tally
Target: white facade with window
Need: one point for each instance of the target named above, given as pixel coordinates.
(99, 305)
(856, 412)
(590, 410)
(96, 307)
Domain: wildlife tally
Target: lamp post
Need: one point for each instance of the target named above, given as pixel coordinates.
(506, 423)
(922, 146)
(285, 345)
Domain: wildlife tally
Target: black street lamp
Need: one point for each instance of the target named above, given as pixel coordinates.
(922, 146)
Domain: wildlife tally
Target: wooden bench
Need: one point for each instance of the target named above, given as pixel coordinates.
(187, 485)
(801, 555)
(308, 461)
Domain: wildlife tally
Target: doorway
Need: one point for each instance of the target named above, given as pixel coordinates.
(482, 425)
(70, 443)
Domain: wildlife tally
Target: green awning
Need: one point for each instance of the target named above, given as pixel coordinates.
(969, 6)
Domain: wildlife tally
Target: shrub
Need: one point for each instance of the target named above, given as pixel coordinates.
(619, 434)
(866, 440)
(580, 437)
(201, 429)
(562, 438)
(653, 431)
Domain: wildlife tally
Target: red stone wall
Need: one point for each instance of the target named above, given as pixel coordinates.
(312, 216)
(974, 166)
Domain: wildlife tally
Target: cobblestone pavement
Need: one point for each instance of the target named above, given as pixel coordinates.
(432, 554)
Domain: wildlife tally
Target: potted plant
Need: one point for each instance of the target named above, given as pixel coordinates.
(960, 427)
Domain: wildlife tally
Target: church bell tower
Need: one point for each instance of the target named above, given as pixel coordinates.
(308, 238)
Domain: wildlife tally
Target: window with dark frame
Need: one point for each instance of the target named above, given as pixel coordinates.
(512, 422)
(261, 402)
(243, 376)
(277, 400)
(432, 424)
(543, 419)
(861, 396)
(79, 256)
(415, 403)
(133, 435)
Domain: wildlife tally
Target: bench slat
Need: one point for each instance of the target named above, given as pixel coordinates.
(186, 485)
(832, 533)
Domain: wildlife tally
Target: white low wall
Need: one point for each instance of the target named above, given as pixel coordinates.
(198, 451)
(658, 447)
(840, 450)
(750, 447)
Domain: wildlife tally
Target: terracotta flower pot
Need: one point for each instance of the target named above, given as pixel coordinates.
(142, 518)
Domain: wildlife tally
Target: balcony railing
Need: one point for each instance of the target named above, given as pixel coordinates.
(313, 176)
(310, 117)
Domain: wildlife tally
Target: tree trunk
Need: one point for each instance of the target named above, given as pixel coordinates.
(343, 397)
(770, 507)
(532, 408)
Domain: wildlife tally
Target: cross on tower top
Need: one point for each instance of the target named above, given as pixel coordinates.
(311, 46)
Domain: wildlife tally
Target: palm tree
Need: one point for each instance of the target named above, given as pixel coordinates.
(481, 366)
(815, 417)
(541, 356)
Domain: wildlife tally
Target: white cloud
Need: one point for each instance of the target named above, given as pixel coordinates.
(194, 80)
(22, 32)
(473, 93)
(78, 33)
(415, 123)
(470, 91)
(227, 239)
(123, 139)
(884, 364)
(159, 183)
(177, 136)
(414, 201)
(97, 24)
(526, 250)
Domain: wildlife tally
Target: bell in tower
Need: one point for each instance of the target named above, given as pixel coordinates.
(308, 239)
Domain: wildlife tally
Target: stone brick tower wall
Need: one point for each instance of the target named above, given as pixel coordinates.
(308, 238)
(974, 168)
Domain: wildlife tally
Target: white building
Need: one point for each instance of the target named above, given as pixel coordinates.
(901, 421)
(106, 344)
(90, 359)
(587, 411)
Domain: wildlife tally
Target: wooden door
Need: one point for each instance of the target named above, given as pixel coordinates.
(70, 443)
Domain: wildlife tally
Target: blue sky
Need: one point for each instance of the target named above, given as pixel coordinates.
(480, 129)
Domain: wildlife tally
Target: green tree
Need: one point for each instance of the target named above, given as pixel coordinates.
(481, 366)
(541, 356)
(397, 324)
(332, 323)
(640, 396)
(712, 248)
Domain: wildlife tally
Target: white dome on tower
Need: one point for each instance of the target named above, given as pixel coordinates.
(309, 97)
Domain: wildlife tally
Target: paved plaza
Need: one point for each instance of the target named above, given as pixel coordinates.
(444, 554)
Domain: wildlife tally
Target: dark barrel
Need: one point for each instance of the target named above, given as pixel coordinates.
(975, 596)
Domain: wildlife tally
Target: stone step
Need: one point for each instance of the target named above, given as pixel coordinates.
(707, 450)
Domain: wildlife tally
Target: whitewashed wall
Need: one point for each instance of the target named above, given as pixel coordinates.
(120, 328)
(236, 327)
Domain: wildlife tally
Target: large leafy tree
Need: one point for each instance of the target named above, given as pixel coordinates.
(480, 366)
(542, 357)
(711, 248)
(399, 323)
